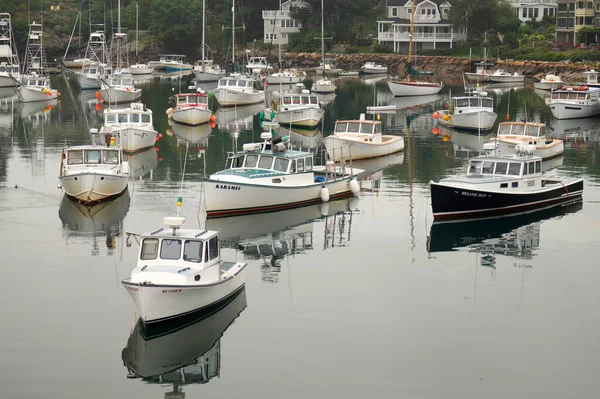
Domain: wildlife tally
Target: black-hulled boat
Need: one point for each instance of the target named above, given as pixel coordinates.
(495, 186)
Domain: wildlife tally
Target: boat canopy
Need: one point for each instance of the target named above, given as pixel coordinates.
(509, 166)
(193, 247)
(521, 129)
(358, 126)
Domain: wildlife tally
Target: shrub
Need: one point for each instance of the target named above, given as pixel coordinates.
(351, 50)
(381, 48)
(525, 29)
(511, 40)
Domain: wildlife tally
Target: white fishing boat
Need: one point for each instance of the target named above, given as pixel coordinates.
(284, 77)
(96, 172)
(295, 109)
(500, 185)
(268, 177)
(35, 82)
(190, 108)
(512, 136)
(9, 58)
(371, 67)
(327, 65)
(179, 272)
(132, 126)
(549, 82)
(482, 71)
(348, 73)
(571, 102)
(502, 76)
(95, 68)
(171, 63)
(118, 89)
(324, 85)
(207, 71)
(238, 89)
(474, 111)
(360, 139)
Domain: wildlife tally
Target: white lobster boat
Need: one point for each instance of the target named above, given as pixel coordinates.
(132, 126)
(401, 88)
(371, 67)
(360, 139)
(35, 83)
(257, 64)
(482, 72)
(323, 86)
(471, 112)
(9, 58)
(140, 69)
(190, 108)
(515, 137)
(267, 177)
(94, 173)
(549, 82)
(95, 67)
(295, 109)
(119, 89)
(502, 76)
(237, 90)
(180, 272)
(207, 71)
(573, 102)
(284, 77)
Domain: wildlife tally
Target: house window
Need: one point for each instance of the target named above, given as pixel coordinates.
(296, 23)
(524, 13)
(580, 4)
(272, 22)
(570, 22)
(562, 7)
(561, 23)
(446, 11)
(590, 5)
(536, 12)
(394, 12)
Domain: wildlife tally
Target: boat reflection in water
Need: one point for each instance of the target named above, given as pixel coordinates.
(191, 134)
(511, 236)
(302, 139)
(575, 132)
(184, 352)
(236, 119)
(272, 237)
(103, 221)
(370, 179)
(143, 163)
(8, 102)
(464, 145)
(37, 112)
(415, 101)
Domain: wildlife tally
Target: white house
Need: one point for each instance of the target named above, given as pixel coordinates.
(526, 10)
(279, 24)
(432, 29)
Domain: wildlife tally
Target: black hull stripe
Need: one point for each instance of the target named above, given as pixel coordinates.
(273, 208)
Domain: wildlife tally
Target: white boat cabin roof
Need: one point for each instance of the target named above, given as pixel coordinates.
(522, 129)
(172, 245)
(575, 93)
(510, 165)
(358, 126)
(137, 113)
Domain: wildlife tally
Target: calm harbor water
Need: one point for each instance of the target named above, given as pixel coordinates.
(353, 298)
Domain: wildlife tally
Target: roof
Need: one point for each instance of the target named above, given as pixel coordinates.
(402, 3)
(286, 154)
(166, 232)
(407, 22)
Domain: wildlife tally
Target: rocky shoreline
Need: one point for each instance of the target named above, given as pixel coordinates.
(444, 67)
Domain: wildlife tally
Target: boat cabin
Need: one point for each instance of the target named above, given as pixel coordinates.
(38, 81)
(575, 94)
(191, 100)
(241, 83)
(504, 167)
(137, 114)
(256, 158)
(591, 77)
(92, 156)
(460, 103)
(483, 68)
(358, 126)
(295, 100)
(120, 81)
(171, 58)
(11, 69)
(184, 248)
(530, 129)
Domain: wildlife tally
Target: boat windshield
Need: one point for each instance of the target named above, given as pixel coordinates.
(531, 130)
(92, 157)
(149, 249)
(478, 167)
(192, 251)
(170, 249)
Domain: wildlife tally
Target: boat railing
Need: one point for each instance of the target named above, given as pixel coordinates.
(344, 156)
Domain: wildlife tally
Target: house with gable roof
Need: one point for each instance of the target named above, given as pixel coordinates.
(432, 28)
(278, 24)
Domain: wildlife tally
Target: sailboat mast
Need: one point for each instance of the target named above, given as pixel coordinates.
(137, 15)
(119, 17)
(203, 38)
(279, 35)
(322, 38)
(233, 34)
(410, 36)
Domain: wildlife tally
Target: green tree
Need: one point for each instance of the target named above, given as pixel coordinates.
(177, 23)
(482, 15)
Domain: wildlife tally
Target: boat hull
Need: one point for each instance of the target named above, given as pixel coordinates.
(29, 94)
(323, 88)
(207, 76)
(545, 149)
(88, 82)
(454, 203)
(566, 110)
(161, 303)
(307, 117)
(89, 187)
(229, 98)
(367, 70)
(416, 88)
(192, 116)
(8, 81)
(548, 85)
(356, 148)
(116, 95)
(133, 139)
(141, 70)
(284, 79)
(506, 78)
(469, 120)
(478, 77)
(225, 198)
